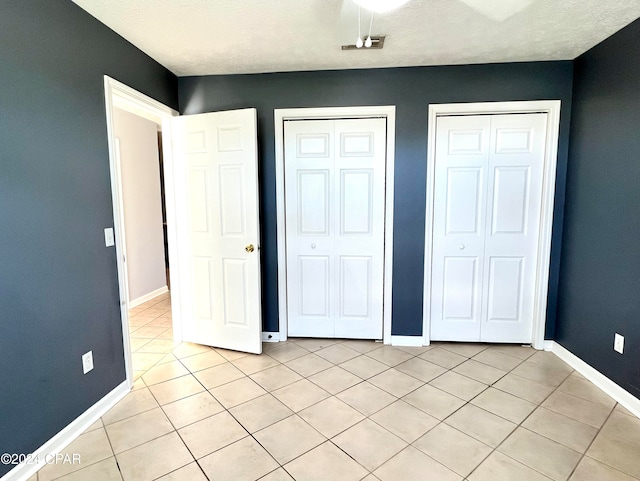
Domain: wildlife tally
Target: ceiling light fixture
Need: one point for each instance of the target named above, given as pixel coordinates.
(359, 41)
(380, 6)
(368, 42)
(377, 42)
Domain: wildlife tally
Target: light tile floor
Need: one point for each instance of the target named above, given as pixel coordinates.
(316, 409)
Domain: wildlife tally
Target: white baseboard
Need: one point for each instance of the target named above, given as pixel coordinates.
(618, 393)
(548, 345)
(406, 341)
(23, 472)
(270, 337)
(147, 297)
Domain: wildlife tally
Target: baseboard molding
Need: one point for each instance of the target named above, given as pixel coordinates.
(406, 341)
(548, 345)
(23, 472)
(148, 297)
(618, 393)
(270, 337)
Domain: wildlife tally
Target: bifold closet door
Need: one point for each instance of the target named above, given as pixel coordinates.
(487, 200)
(334, 188)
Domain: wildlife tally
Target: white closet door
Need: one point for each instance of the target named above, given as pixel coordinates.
(512, 226)
(462, 156)
(310, 212)
(359, 186)
(334, 187)
(488, 190)
(217, 202)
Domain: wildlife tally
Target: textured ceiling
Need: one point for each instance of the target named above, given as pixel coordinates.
(203, 37)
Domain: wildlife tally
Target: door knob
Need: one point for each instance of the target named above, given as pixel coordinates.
(249, 248)
(461, 247)
(313, 246)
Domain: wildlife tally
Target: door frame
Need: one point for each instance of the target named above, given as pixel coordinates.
(121, 96)
(322, 113)
(552, 109)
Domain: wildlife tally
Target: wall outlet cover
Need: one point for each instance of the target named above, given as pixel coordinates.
(109, 238)
(618, 343)
(87, 362)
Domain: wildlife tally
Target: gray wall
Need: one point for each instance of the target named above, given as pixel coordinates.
(411, 90)
(140, 174)
(600, 274)
(58, 282)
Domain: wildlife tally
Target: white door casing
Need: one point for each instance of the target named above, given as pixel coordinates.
(501, 284)
(334, 191)
(280, 117)
(217, 203)
(121, 96)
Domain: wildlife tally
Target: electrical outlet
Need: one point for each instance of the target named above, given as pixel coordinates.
(109, 238)
(618, 343)
(87, 362)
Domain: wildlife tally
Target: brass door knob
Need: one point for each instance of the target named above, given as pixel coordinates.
(249, 248)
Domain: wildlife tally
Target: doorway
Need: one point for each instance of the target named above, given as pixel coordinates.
(335, 215)
(120, 96)
(490, 193)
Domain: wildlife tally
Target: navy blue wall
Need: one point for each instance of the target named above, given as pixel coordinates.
(600, 271)
(411, 90)
(58, 281)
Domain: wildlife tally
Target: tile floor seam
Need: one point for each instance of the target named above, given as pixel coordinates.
(591, 443)
(338, 392)
(447, 467)
(118, 466)
(296, 457)
(258, 442)
(204, 455)
(129, 417)
(398, 398)
(526, 465)
(479, 407)
(146, 442)
(486, 364)
(521, 425)
(113, 452)
(80, 469)
(270, 472)
(182, 467)
(558, 442)
(442, 390)
(175, 428)
(351, 457)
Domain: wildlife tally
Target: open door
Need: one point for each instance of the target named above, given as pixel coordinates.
(216, 195)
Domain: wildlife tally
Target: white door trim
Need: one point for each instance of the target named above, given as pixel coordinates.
(389, 112)
(119, 95)
(552, 109)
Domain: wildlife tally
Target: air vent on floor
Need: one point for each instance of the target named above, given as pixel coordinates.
(377, 42)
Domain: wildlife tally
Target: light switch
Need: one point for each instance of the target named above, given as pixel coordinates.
(109, 238)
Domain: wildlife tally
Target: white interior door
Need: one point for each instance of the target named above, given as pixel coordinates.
(487, 201)
(334, 190)
(217, 204)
